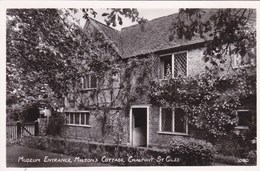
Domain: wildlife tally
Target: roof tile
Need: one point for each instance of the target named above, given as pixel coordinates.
(154, 36)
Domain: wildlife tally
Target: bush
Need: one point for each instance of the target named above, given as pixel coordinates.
(11, 142)
(83, 149)
(252, 157)
(192, 152)
(230, 160)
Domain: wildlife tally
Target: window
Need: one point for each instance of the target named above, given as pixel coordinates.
(244, 119)
(173, 121)
(77, 118)
(174, 64)
(89, 82)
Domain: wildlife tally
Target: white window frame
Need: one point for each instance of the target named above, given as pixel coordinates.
(173, 124)
(241, 127)
(77, 112)
(89, 82)
(172, 67)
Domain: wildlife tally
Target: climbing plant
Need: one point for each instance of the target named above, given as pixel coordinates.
(209, 100)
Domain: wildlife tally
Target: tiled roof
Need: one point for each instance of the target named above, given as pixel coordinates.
(154, 36)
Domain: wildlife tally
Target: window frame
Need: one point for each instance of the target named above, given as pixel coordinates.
(239, 127)
(173, 123)
(162, 69)
(89, 75)
(67, 122)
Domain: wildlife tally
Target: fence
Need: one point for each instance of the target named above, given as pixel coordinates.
(19, 130)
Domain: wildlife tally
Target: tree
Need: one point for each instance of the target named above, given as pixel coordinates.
(45, 50)
(229, 32)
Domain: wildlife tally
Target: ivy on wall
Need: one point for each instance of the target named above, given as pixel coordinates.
(210, 100)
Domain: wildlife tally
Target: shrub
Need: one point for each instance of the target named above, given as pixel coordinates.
(252, 157)
(230, 160)
(85, 149)
(192, 152)
(11, 142)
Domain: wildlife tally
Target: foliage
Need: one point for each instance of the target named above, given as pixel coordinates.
(192, 151)
(115, 15)
(245, 141)
(209, 100)
(228, 31)
(12, 142)
(45, 50)
(252, 157)
(231, 160)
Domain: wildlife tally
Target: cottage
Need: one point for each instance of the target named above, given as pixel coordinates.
(137, 123)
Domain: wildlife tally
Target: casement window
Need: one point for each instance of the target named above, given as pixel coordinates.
(78, 118)
(173, 121)
(174, 64)
(89, 81)
(244, 119)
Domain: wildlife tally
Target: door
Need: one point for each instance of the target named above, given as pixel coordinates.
(139, 127)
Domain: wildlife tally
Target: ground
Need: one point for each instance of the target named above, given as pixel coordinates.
(29, 157)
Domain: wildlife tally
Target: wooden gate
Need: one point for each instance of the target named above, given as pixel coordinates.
(15, 131)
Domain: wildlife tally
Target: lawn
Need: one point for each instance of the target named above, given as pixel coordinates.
(19, 156)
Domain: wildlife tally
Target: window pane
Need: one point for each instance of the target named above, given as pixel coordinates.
(180, 124)
(180, 64)
(76, 118)
(86, 82)
(166, 120)
(245, 118)
(93, 81)
(87, 118)
(83, 118)
(67, 118)
(71, 118)
(166, 65)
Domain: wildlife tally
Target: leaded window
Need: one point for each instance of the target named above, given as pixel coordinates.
(173, 120)
(77, 118)
(173, 64)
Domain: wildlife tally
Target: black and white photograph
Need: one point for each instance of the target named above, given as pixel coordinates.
(108, 87)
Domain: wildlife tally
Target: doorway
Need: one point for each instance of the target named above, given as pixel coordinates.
(139, 126)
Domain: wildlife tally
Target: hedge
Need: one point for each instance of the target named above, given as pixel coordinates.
(193, 152)
(120, 155)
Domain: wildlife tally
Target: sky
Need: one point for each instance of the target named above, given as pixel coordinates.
(148, 14)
